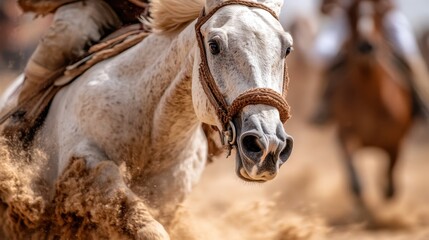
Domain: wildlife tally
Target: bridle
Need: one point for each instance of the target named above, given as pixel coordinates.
(253, 96)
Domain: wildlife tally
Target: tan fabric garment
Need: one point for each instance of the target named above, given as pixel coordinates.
(128, 11)
(42, 6)
(76, 27)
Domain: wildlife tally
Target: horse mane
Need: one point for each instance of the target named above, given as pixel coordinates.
(170, 15)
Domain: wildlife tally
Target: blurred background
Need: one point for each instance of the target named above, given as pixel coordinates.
(310, 198)
(20, 34)
(415, 10)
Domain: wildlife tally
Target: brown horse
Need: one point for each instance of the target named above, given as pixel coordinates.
(371, 98)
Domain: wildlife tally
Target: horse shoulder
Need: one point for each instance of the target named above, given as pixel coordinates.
(93, 107)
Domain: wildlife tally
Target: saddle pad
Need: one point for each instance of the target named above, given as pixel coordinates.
(102, 51)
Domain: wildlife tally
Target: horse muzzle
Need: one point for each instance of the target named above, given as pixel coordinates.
(263, 147)
(365, 47)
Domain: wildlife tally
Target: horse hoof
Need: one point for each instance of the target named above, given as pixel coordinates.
(153, 231)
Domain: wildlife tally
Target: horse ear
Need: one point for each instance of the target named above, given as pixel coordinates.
(275, 5)
(210, 4)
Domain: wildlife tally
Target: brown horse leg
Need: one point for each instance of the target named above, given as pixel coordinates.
(354, 182)
(347, 147)
(322, 113)
(361, 212)
(390, 191)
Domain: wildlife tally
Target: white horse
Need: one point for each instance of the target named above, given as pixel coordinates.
(123, 142)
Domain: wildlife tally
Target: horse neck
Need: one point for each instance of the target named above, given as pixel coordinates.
(174, 121)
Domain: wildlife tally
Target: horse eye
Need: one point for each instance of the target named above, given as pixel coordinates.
(289, 50)
(214, 47)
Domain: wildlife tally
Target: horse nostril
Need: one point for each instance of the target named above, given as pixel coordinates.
(271, 150)
(251, 144)
(287, 150)
(365, 47)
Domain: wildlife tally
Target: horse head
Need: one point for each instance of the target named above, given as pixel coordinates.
(239, 81)
(366, 24)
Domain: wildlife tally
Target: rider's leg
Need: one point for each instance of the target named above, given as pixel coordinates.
(75, 27)
(400, 34)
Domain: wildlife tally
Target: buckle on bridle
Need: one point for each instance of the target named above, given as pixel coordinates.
(228, 137)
